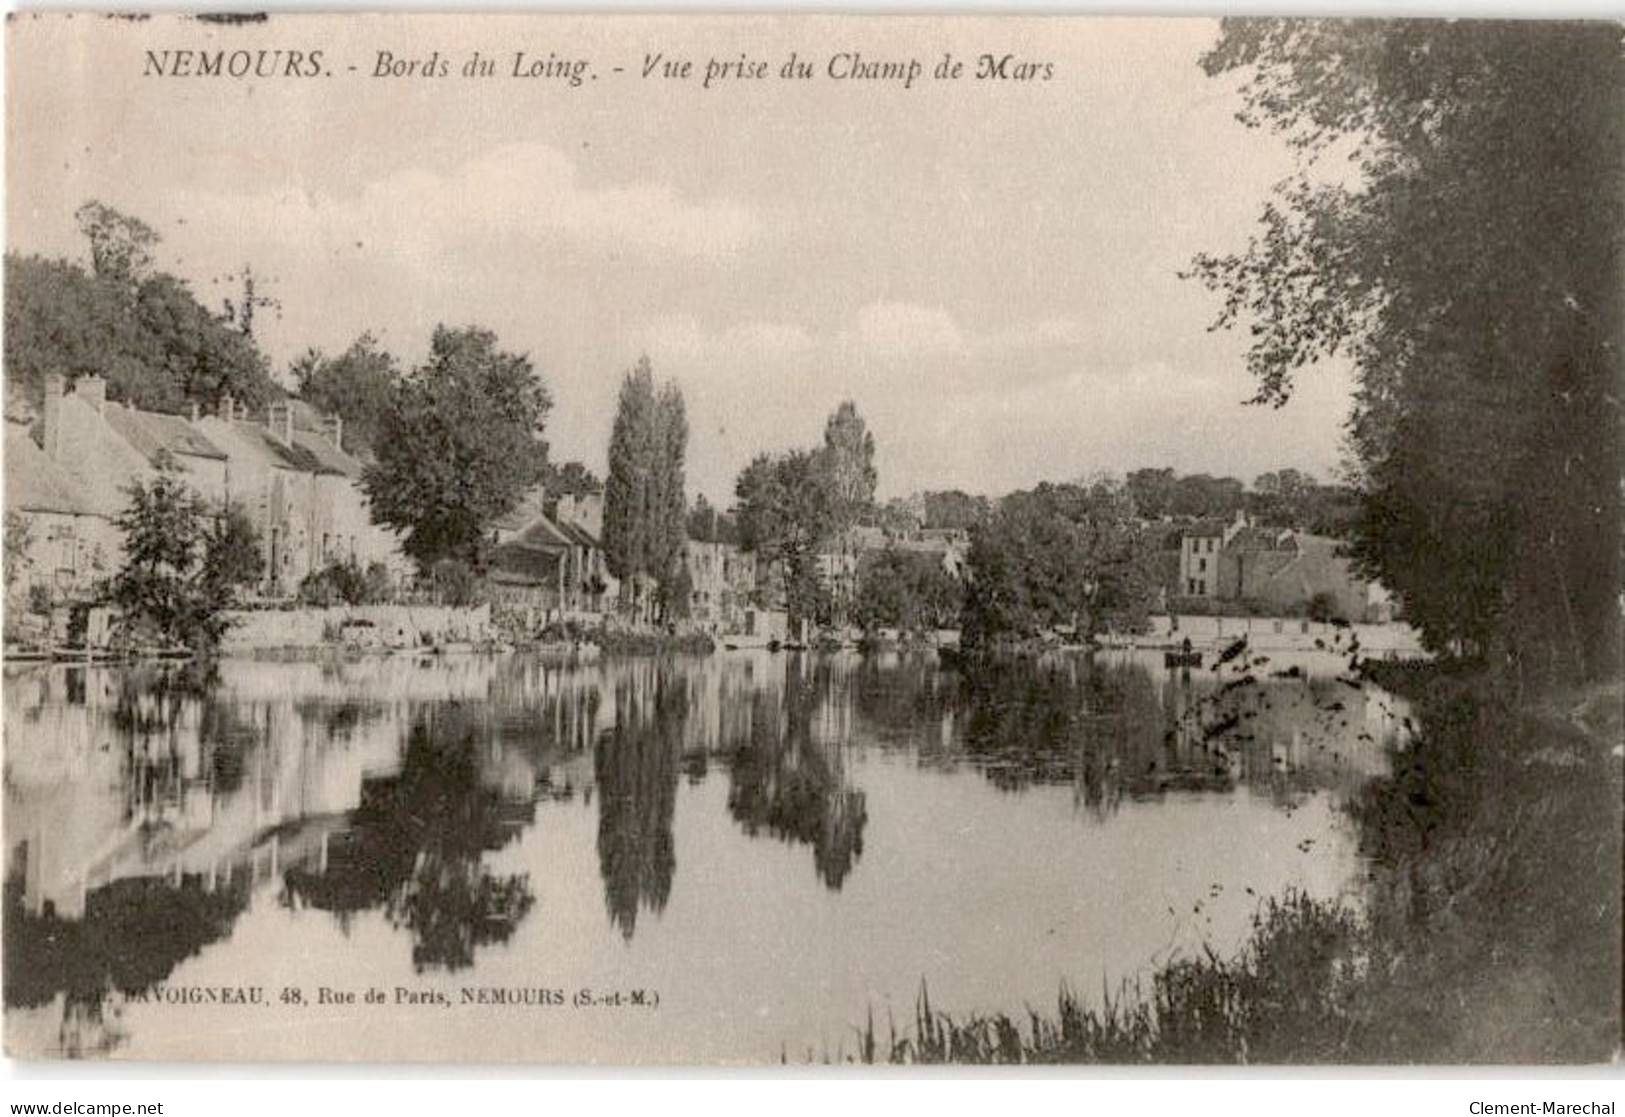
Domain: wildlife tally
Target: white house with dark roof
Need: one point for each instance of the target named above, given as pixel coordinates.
(68, 543)
(302, 492)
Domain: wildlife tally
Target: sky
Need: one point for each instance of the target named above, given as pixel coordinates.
(989, 269)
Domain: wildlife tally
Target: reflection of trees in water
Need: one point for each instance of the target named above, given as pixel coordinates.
(635, 766)
(133, 934)
(415, 848)
(784, 781)
(1122, 729)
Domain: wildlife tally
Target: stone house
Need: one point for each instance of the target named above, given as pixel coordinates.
(301, 490)
(68, 543)
(553, 563)
(722, 581)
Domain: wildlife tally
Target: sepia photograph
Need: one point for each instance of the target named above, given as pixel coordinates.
(817, 541)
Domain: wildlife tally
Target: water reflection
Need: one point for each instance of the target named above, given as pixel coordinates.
(635, 765)
(789, 782)
(415, 847)
(149, 811)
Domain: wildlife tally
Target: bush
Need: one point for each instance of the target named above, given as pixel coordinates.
(455, 583)
(1323, 608)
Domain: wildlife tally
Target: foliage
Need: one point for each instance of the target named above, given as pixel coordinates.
(142, 330)
(644, 504)
(953, 508)
(182, 564)
(358, 386)
(121, 247)
(571, 479)
(1162, 492)
(906, 590)
(19, 536)
(786, 508)
(455, 583)
(708, 525)
(1470, 271)
(1322, 607)
(849, 455)
(1057, 555)
(346, 582)
(460, 445)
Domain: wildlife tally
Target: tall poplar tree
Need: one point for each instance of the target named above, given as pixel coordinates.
(644, 502)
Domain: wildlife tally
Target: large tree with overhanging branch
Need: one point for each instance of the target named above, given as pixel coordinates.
(1454, 229)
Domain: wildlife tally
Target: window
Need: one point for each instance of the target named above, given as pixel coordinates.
(1201, 564)
(1190, 586)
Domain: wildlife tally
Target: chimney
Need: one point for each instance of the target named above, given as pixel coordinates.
(279, 421)
(333, 430)
(53, 416)
(228, 408)
(93, 390)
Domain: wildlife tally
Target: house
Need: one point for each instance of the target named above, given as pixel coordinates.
(1316, 569)
(71, 487)
(301, 491)
(66, 542)
(1277, 569)
(553, 564)
(107, 445)
(722, 580)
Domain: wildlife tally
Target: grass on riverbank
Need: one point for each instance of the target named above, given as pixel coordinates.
(1490, 933)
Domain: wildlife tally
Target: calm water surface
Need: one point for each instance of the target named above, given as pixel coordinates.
(772, 845)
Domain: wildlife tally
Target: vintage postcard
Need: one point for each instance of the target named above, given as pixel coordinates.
(746, 539)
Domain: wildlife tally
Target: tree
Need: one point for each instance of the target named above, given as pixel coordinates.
(571, 479)
(121, 247)
(358, 386)
(953, 508)
(18, 538)
(140, 329)
(708, 525)
(182, 563)
(459, 445)
(1471, 273)
(786, 507)
(644, 503)
(1058, 555)
(849, 451)
(906, 590)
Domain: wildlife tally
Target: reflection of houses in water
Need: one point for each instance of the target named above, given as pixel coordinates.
(134, 793)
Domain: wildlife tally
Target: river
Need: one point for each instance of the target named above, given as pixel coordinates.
(733, 858)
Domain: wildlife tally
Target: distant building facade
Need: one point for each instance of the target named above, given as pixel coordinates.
(722, 583)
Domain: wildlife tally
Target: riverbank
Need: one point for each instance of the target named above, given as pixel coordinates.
(1489, 932)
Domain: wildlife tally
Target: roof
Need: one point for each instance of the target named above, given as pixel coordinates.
(332, 459)
(516, 565)
(542, 534)
(529, 509)
(273, 452)
(152, 433)
(34, 483)
(580, 535)
(1262, 539)
(1205, 529)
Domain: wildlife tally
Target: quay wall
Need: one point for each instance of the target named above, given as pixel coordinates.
(381, 626)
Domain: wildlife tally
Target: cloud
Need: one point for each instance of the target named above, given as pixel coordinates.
(889, 328)
(515, 197)
(683, 338)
